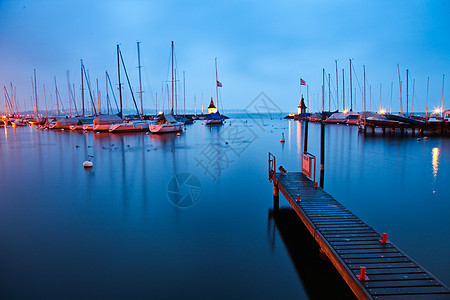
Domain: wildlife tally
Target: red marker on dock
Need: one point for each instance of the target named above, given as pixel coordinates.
(384, 240)
(298, 198)
(362, 274)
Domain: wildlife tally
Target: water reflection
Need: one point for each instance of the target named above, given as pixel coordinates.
(435, 161)
(303, 250)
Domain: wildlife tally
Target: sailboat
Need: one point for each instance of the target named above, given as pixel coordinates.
(104, 122)
(166, 122)
(214, 117)
(133, 125)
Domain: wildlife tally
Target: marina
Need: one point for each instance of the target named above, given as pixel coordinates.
(137, 139)
(91, 216)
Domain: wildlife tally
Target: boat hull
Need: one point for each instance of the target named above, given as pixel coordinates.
(214, 122)
(101, 127)
(335, 121)
(129, 127)
(165, 128)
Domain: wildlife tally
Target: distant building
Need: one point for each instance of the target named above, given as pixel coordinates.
(212, 108)
(301, 108)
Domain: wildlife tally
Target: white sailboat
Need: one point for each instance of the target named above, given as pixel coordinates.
(166, 122)
(133, 125)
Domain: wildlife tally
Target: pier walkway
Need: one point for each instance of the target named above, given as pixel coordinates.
(353, 247)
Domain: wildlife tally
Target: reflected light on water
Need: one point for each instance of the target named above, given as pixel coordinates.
(435, 161)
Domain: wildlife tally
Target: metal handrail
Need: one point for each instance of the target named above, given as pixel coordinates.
(272, 166)
(314, 169)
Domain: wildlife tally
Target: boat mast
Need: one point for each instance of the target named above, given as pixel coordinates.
(13, 94)
(82, 88)
(98, 99)
(364, 67)
(400, 83)
(118, 75)
(217, 88)
(390, 107)
(184, 93)
(45, 100)
(176, 94)
(407, 89)
(323, 91)
(412, 107)
(351, 95)
(202, 103)
(343, 90)
(36, 97)
(337, 86)
(56, 97)
(426, 108)
(307, 94)
(172, 75)
(140, 82)
(107, 94)
(162, 97)
(380, 96)
(195, 106)
(68, 90)
(329, 93)
(442, 101)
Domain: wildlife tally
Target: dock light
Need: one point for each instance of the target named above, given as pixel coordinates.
(384, 240)
(437, 111)
(345, 111)
(382, 111)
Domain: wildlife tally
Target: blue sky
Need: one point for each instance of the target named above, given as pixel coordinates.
(260, 45)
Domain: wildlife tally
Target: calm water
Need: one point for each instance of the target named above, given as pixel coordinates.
(128, 229)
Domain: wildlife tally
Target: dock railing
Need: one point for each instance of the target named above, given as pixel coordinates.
(272, 166)
(307, 168)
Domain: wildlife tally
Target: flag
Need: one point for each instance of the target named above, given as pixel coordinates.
(302, 82)
(219, 84)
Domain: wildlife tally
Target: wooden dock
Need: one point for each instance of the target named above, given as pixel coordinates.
(350, 244)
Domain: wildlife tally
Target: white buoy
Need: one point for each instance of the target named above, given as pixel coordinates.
(282, 138)
(178, 134)
(425, 138)
(419, 139)
(88, 164)
(147, 133)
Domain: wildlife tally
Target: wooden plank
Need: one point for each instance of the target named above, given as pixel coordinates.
(403, 271)
(351, 235)
(401, 283)
(365, 250)
(384, 265)
(392, 277)
(366, 261)
(407, 290)
(362, 247)
(373, 255)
